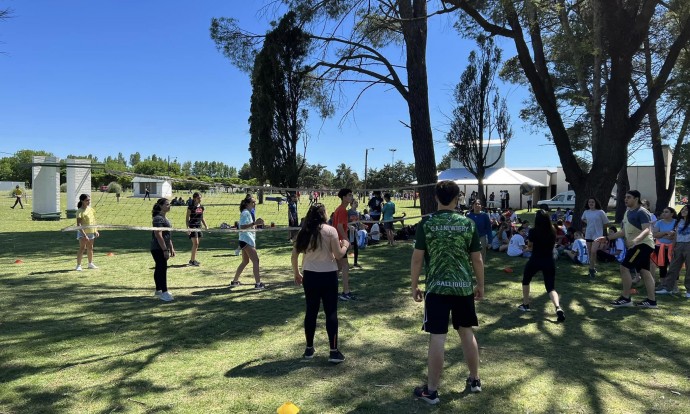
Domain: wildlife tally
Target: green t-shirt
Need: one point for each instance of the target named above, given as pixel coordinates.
(447, 239)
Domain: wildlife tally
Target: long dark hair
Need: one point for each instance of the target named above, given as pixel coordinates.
(309, 236)
(156, 211)
(543, 229)
(244, 203)
(81, 199)
(597, 204)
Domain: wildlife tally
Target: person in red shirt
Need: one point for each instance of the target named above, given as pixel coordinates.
(340, 222)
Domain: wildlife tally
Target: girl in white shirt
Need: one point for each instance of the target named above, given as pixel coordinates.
(320, 245)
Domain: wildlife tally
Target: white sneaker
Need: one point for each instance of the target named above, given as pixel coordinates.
(166, 297)
(687, 295)
(157, 293)
(662, 291)
(92, 266)
(78, 268)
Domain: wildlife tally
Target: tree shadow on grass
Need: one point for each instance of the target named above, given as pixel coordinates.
(266, 369)
(85, 311)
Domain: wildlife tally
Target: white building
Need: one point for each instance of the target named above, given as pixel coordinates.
(548, 181)
(157, 187)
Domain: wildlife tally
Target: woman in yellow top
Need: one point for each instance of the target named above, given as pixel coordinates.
(86, 216)
(18, 194)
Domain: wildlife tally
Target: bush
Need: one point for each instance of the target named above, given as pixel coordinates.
(63, 187)
(114, 187)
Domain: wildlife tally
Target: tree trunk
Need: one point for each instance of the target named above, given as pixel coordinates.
(622, 187)
(659, 164)
(481, 172)
(663, 192)
(414, 28)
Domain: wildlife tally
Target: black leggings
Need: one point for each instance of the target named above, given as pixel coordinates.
(355, 246)
(321, 287)
(544, 264)
(160, 275)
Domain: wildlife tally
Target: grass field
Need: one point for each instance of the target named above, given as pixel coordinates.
(98, 341)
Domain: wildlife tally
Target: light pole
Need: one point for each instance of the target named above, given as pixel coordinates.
(392, 150)
(366, 158)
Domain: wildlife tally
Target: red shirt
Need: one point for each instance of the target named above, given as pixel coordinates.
(340, 217)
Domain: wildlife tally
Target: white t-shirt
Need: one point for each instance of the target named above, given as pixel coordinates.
(580, 247)
(375, 232)
(516, 245)
(596, 220)
(247, 236)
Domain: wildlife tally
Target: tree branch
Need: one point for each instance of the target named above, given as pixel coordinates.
(490, 27)
(660, 83)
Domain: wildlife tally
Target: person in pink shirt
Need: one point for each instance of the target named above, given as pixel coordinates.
(321, 247)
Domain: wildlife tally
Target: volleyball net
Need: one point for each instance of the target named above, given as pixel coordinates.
(132, 209)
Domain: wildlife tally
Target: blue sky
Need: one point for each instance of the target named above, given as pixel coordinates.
(106, 76)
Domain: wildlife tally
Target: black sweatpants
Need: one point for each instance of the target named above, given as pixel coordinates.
(544, 264)
(321, 287)
(160, 274)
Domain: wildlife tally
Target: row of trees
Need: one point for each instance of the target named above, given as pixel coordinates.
(594, 86)
(18, 168)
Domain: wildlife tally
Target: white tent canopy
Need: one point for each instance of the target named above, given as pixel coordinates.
(493, 176)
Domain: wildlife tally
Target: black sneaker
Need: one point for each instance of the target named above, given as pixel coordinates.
(475, 384)
(647, 303)
(524, 308)
(592, 273)
(259, 286)
(308, 353)
(336, 357)
(235, 283)
(422, 393)
(346, 296)
(194, 263)
(560, 315)
(621, 302)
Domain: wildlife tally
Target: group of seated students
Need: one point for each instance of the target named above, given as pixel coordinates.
(510, 234)
(180, 202)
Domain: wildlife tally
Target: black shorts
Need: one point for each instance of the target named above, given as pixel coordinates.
(195, 234)
(388, 225)
(439, 308)
(589, 240)
(243, 244)
(638, 257)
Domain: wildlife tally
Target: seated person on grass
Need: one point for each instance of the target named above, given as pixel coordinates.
(614, 251)
(375, 234)
(578, 250)
(517, 246)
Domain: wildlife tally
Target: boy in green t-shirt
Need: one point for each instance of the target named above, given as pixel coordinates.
(448, 243)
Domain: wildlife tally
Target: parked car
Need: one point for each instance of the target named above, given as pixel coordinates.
(565, 200)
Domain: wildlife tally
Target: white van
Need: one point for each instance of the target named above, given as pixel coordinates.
(565, 200)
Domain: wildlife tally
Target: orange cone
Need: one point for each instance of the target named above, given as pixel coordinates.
(508, 270)
(110, 254)
(18, 261)
(633, 291)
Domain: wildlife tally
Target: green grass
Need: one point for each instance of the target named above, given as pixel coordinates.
(98, 342)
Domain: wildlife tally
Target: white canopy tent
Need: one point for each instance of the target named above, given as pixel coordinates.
(493, 176)
(495, 180)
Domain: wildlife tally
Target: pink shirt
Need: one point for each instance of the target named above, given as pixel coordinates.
(322, 259)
